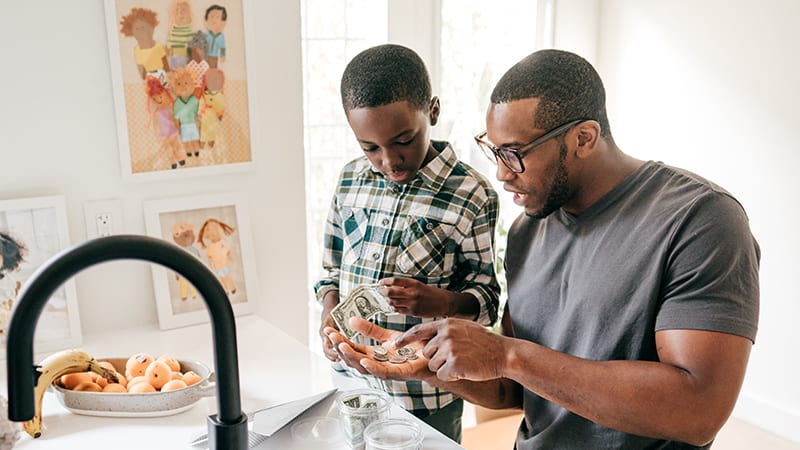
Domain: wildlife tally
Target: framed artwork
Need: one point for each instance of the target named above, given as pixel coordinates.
(180, 81)
(215, 229)
(32, 230)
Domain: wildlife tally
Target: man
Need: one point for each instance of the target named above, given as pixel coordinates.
(633, 286)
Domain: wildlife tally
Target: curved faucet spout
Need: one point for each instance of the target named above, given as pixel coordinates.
(229, 426)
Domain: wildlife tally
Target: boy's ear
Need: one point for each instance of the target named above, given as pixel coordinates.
(434, 113)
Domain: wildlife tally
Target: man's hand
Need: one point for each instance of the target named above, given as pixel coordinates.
(458, 349)
(415, 298)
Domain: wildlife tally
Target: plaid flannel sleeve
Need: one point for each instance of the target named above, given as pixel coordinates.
(476, 273)
(332, 252)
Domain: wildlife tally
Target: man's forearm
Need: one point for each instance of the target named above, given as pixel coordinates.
(493, 394)
(645, 398)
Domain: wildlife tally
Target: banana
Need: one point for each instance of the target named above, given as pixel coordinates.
(50, 369)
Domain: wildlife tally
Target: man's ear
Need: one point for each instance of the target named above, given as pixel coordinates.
(435, 109)
(587, 137)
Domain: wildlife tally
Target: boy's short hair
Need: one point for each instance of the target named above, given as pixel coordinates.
(217, 8)
(386, 74)
(567, 86)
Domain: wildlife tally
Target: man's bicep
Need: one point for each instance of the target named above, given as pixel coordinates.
(714, 364)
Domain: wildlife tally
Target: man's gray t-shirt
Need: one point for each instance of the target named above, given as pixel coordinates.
(665, 249)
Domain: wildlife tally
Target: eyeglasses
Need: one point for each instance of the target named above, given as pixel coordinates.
(512, 157)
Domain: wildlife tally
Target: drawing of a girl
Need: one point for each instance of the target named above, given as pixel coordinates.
(160, 103)
(213, 106)
(218, 251)
(180, 32)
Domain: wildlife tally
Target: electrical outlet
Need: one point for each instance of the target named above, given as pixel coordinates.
(105, 226)
(103, 218)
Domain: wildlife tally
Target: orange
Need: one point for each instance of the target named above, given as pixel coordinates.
(157, 374)
(177, 375)
(136, 380)
(141, 387)
(100, 381)
(71, 380)
(173, 364)
(191, 378)
(88, 386)
(114, 387)
(138, 363)
(122, 380)
(173, 385)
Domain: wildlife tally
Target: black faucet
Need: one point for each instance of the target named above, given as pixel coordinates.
(228, 428)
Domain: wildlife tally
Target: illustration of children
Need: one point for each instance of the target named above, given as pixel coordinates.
(212, 106)
(216, 19)
(180, 32)
(198, 48)
(160, 103)
(217, 251)
(12, 254)
(183, 235)
(185, 109)
(150, 56)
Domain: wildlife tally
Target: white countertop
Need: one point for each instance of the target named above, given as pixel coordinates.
(274, 368)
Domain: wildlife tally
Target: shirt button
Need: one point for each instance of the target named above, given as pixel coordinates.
(376, 256)
(396, 189)
(385, 221)
(429, 226)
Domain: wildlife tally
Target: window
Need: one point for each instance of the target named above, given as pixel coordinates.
(470, 47)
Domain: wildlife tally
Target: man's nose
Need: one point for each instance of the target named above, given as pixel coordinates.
(503, 172)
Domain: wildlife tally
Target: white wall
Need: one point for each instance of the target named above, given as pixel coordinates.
(59, 138)
(712, 86)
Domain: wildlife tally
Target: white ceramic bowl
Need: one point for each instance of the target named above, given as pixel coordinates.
(152, 404)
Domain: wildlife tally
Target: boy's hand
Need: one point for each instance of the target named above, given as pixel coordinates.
(330, 300)
(327, 322)
(415, 298)
(361, 357)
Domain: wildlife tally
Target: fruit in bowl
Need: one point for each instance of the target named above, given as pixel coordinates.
(98, 387)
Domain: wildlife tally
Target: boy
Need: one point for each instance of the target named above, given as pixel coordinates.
(409, 216)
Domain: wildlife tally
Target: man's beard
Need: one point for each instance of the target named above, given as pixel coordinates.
(559, 192)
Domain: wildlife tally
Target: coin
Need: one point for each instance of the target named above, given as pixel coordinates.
(380, 357)
(379, 349)
(397, 359)
(405, 351)
(412, 356)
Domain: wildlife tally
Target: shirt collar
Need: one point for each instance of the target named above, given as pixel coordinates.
(431, 175)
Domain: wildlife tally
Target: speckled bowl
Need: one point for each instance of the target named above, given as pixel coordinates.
(154, 404)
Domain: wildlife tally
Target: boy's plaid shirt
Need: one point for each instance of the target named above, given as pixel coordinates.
(438, 228)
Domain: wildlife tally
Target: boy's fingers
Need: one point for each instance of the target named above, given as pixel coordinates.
(369, 329)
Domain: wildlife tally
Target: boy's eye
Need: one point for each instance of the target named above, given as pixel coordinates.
(406, 142)
(370, 149)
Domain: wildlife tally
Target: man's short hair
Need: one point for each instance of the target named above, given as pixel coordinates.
(386, 74)
(567, 86)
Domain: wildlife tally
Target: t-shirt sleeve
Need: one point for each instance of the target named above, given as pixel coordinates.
(711, 275)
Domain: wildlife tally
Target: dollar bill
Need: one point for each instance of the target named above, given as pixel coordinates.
(364, 301)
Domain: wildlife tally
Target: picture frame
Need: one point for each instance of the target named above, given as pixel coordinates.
(158, 140)
(216, 229)
(39, 226)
